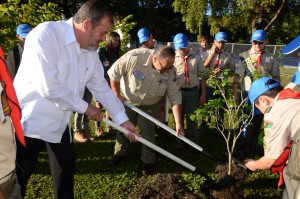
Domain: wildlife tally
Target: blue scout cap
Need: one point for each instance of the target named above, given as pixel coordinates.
(23, 30)
(296, 78)
(221, 36)
(292, 46)
(180, 41)
(258, 88)
(259, 35)
(143, 35)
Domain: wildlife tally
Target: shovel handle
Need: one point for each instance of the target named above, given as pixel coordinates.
(167, 128)
(151, 145)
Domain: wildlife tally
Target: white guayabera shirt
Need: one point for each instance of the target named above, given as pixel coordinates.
(51, 79)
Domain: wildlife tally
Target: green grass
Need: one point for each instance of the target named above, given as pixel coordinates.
(94, 178)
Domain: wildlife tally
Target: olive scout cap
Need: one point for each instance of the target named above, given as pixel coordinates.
(143, 35)
(259, 35)
(180, 41)
(258, 88)
(23, 30)
(221, 36)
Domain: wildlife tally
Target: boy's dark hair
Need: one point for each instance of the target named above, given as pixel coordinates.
(272, 92)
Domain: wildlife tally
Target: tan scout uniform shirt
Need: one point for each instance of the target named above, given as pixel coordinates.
(281, 123)
(7, 146)
(248, 63)
(195, 65)
(225, 60)
(141, 83)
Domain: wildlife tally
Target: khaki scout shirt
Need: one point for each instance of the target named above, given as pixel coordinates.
(195, 65)
(248, 63)
(281, 123)
(140, 82)
(225, 60)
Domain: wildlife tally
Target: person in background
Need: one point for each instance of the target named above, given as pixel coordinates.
(203, 52)
(108, 54)
(204, 47)
(10, 129)
(254, 63)
(14, 56)
(143, 76)
(146, 38)
(188, 64)
(281, 109)
(219, 59)
(81, 122)
(64, 58)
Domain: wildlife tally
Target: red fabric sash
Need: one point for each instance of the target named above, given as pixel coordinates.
(186, 69)
(259, 60)
(12, 99)
(217, 61)
(280, 163)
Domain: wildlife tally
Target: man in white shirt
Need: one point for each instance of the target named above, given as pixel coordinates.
(59, 60)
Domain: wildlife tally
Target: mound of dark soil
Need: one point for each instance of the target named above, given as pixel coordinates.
(166, 186)
(228, 187)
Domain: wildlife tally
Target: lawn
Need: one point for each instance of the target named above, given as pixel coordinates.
(94, 178)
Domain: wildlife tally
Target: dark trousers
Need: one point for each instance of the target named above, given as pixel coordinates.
(61, 158)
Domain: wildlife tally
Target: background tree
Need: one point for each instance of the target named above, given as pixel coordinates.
(240, 17)
(12, 13)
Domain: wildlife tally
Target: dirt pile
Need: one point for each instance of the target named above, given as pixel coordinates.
(167, 186)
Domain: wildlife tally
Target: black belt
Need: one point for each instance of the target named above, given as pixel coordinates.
(190, 89)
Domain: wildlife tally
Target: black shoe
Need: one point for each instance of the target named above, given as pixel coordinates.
(148, 169)
(116, 159)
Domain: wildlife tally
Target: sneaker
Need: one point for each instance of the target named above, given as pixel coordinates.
(80, 137)
(148, 168)
(88, 136)
(116, 159)
(99, 132)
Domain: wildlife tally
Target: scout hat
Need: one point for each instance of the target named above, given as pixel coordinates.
(258, 88)
(259, 35)
(23, 30)
(143, 35)
(221, 36)
(180, 41)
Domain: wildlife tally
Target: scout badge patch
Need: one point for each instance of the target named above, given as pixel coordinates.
(139, 75)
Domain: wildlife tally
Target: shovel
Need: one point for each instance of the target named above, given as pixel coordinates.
(159, 123)
(160, 150)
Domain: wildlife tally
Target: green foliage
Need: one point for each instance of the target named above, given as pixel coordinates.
(240, 17)
(12, 14)
(125, 26)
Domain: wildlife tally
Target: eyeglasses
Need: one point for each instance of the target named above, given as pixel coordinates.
(163, 68)
(257, 42)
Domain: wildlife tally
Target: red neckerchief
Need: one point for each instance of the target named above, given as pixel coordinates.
(186, 69)
(288, 93)
(13, 102)
(217, 60)
(280, 162)
(259, 60)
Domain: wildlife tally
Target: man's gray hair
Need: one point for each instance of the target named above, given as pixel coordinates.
(94, 10)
